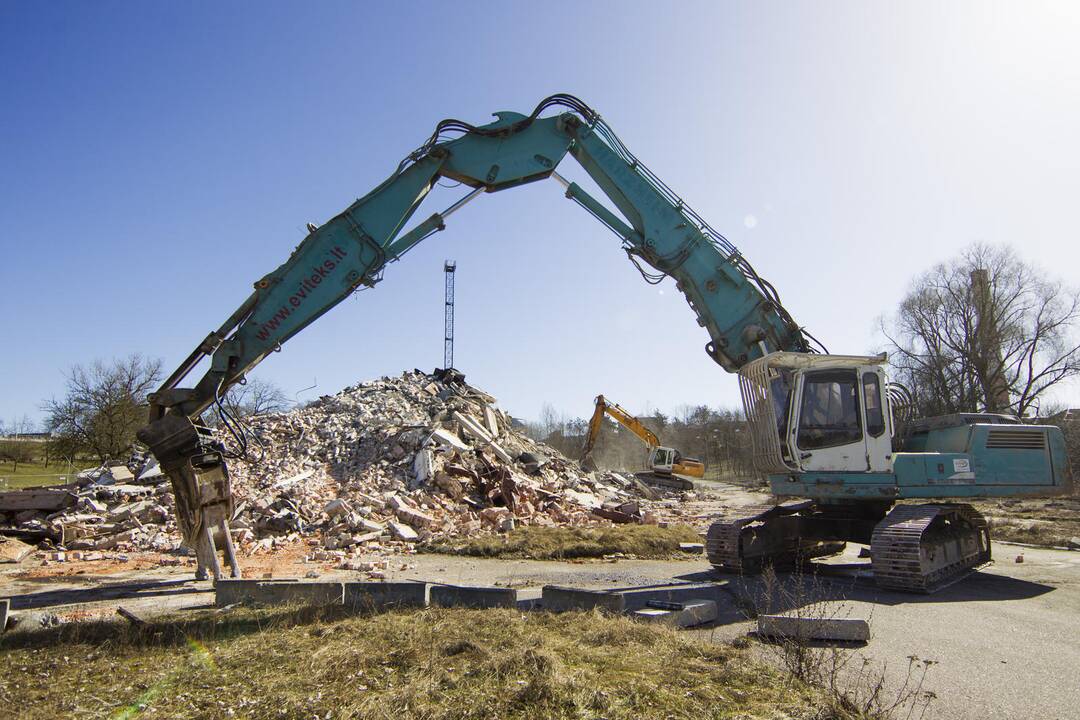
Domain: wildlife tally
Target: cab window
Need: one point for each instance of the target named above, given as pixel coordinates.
(829, 414)
(780, 392)
(875, 414)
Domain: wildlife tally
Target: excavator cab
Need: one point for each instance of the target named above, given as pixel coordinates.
(823, 413)
(669, 461)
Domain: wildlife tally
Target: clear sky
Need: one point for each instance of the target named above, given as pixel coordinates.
(158, 157)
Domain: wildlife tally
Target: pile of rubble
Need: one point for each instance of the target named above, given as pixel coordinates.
(105, 509)
(407, 459)
(375, 468)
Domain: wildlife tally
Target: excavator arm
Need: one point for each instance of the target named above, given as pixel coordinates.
(660, 234)
(621, 416)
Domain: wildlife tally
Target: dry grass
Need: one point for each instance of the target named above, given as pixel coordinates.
(1049, 522)
(566, 543)
(432, 664)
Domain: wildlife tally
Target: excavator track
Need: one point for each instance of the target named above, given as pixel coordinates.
(923, 548)
(760, 535)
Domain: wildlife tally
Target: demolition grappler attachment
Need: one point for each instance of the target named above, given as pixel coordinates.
(194, 461)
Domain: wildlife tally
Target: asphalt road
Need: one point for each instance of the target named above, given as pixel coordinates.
(1005, 640)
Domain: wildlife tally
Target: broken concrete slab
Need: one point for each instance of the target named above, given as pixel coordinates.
(474, 428)
(380, 595)
(559, 599)
(414, 518)
(403, 532)
(690, 614)
(423, 466)
(13, 551)
(121, 475)
(473, 597)
(808, 628)
(445, 437)
(491, 421)
(695, 548)
(277, 592)
(46, 499)
(640, 597)
(290, 481)
(337, 506)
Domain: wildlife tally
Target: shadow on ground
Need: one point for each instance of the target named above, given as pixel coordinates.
(120, 591)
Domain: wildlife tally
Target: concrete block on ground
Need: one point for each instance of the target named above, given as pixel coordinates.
(695, 612)
(640, 597)
(13, 551)
(473, 597)
(401, 531)
(558, 599)
(381, 595)
(277, 592)
(803, 628)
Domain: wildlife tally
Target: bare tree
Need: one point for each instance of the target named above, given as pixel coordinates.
(105, 404)
(985, 331)
(255, 397)
(15, 447)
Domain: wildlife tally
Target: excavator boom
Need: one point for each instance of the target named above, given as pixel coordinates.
(660, 234)
(596, 422)
(822, 425)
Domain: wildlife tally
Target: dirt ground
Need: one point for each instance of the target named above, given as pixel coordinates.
(1030, 603)
(1047, 522)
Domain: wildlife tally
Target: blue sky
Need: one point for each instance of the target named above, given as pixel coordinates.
(157, 158)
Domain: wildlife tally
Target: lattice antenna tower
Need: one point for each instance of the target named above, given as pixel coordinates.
(448, 335)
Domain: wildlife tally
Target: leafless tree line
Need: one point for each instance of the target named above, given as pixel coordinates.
(984, 332)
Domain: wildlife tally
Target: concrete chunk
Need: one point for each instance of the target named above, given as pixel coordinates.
(491, 421)
(445, 437)
(693, 613)
(473, 427)
(277, 592)
(474, 597)
(803, 628)
(5, 606)
(423, 466)
(402, 532)
(121, 475)
(380, 595)
(337, 506)
(35, 499)
(414, 518)
(558, 599)
(13, 551)
(681, 593)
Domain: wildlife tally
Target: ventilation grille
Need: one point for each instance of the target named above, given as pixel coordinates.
(1011, 439)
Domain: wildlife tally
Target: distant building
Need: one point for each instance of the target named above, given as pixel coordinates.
(28, 437)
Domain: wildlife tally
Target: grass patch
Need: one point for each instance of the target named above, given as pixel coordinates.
(432, 664)
(1048, 522)
(35, 474)
(566, 543)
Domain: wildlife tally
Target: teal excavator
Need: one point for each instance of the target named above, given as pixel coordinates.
(827, 428)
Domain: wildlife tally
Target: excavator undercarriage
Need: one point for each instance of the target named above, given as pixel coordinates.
(913, 548)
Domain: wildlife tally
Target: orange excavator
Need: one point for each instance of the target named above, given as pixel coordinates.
(667, 465)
